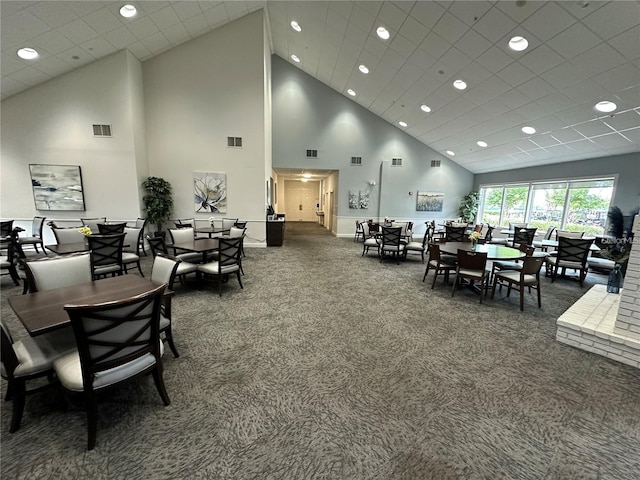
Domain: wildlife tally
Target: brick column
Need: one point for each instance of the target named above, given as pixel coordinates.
(628, 319)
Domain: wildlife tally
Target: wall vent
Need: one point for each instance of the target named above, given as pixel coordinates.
(234, 141)
(357, 161)
(396, 162)
(101, 130)
(435, 163)
(312, 153)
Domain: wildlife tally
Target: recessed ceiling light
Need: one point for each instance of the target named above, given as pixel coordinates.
(449, 152)
(481, 143)
(28, 53)
(383, 33)
(351, 92)
(402, 124)
(425, 108)
(518, 44)
(304, 180)
(128, 11)
(295, 58)
(606, 106)
(460, 84)
(296, 26)
(363, 69)
(529, 130)
(307, 175)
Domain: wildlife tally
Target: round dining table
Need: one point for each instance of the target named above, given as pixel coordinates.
(493, 251)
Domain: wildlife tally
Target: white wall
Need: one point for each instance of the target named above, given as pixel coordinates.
(310, 115)
(52, 124)
(198, 94)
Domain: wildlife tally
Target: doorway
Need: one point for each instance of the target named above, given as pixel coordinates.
(301, 201)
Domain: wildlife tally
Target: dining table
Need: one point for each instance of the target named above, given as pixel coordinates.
(42, 312)
(493, 251)
(212, 232)
(201, 245)
(67, 248)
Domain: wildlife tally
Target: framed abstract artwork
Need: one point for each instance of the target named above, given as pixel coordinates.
(210, 192)
(57, 187)
(429, 201)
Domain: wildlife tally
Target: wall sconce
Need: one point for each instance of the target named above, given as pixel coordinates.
(410, 193)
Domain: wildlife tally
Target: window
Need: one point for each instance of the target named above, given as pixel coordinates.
(577, 205)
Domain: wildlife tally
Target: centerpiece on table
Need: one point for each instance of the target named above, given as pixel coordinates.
(474, 236)
(85, 231)
(211, 220)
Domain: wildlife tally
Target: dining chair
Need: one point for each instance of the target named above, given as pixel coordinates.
(391, 243)
(439, 264)
(14, 255)
(228, 262)
(56, 272)
(65, 235)
(418, 247)
(527, 277)
(36, 235)
(523, 236)
(185, 223)
(236, 232)
(28, 359)
(370, 240)
(568, 234)
(157, 246)
(106, 254)
(359, 233)
(131, 252)
(227, 223)
(163, 271)
(547, 236)
(180, 235)
(455, 234)
(472, 267)
(92, 223)
(111, 228)
(572, 253)
(5, 228)
(117, 342)
(502, 265)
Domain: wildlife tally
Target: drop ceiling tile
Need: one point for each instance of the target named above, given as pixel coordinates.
(599, 59)
(585, 91)
(142, 28)
(494, 59)
(567, 135)
(493, 25)
(515, 74)
(21, 27)
(391, 16)
(53, 14)
(164, 18)
(627, 43)
(140, 51)
(574, 40)
(556, 102)
(470, 12)
(216, 15)
(427, 13)
(612, 140)
(30, 76)
(338, 25)
(52, 42)
(488, 90)
(78, 31)
(422, 58)
(544, 141)
(593, 128)
(120, 38)
(473, 44)
(234, 10)
(450, 28)
(633, 134)
(402, 45)
(10, 63)
(519, 11)
(195, 26)
(623, 121)
(53, 66)
(99, 47)
(542, 59)
(536, 88)
(474, 74)
(435, 45)
(619, 79)
(177, 33)
(613, 19)
(414, 31)
(10, 85)
(563, 76)
(103, 20)
(82, 57)
(549, 21)
(514, 99)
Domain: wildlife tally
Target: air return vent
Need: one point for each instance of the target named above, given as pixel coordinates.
(312, 153)
(435, 163)
(101, 130)
(396, 162)
(234, 141)
(357, 161)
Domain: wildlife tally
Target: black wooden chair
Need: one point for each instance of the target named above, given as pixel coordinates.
(455, 234)
(36, 235)
(441, 265)
(117, 342)
(111, 228)
(471, 266)
(228, 262)
(572, 253)
(392, 244)
(106, 254)
(158, 246)
(527, 277)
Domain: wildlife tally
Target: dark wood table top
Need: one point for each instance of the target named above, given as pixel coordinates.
(198, 245)
(493, 251)
(211, 231)
(42, 312)
(65, 248)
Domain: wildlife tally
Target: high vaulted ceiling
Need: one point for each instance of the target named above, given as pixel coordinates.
(580, 53)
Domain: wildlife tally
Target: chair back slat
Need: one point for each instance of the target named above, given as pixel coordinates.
(573, 249)
(106, 249)
(471, 260)
(229, 251)
(568, 234)
(5, 228)
(532, 265)
(157, 245)
(455, 234)
(524, 235)
(391, 236)
(111, 228)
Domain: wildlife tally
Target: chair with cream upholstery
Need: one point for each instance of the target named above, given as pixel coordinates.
(227, 223)
(370, 240)
(358, 233)
(67, 235)
(472, 267)
(163, 271)
(572, 253)
(418, 247)
(117, 341)
(158, 246)
(527, 277)
(568, 234)
(28, 359)
(36, 235)
(392, 244)
(547, 236)
(180, 235)
(131, 253)
(228, 262)
(92, 223)
(57, 272)
(185, 223)
(440, 264)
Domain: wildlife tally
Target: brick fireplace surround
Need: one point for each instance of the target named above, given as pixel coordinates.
(605, 323)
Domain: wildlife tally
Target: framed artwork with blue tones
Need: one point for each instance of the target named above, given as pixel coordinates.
(210, 192)
(57, 187)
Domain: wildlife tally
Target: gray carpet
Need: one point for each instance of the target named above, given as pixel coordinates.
(329, 365)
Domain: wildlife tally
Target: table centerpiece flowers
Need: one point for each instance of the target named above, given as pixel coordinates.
(85, 231)
(474, 236)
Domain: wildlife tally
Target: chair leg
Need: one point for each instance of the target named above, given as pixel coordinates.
(521, 298)
(169, 336)
(455, 285)
(18, 393)
(139, 269)
(92, 420)
(539, 298)
(159, 381)
(239, 280)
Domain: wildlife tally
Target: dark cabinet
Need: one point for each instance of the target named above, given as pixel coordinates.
(275, 233)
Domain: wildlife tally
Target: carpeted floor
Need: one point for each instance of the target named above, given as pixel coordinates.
(330, 365)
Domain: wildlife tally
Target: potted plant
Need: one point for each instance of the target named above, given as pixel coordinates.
(469, 207)
(158, 202)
